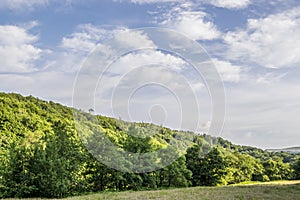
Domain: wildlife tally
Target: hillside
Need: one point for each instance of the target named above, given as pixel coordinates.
(43, 154)
(288, 150)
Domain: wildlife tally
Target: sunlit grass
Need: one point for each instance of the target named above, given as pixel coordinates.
(248, 190)
(284, 182)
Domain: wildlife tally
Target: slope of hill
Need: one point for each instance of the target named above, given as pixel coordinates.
(288, 150)
(43, 154)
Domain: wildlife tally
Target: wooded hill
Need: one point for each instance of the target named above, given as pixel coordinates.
(42, 155)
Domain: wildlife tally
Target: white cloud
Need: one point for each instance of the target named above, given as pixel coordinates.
(138, 67)
(272, 42)
(193, 23)
(17, 49)
(270, 78)
(230, 4)
(22, 4)
(85, 38)
(152, 1)
(30, 5)
(49, 85)
(134, 39)
(146, 57)
(77, 46)
(145, 86)
(143, 69)
(79, 42)
(227, 71)
(269, 111)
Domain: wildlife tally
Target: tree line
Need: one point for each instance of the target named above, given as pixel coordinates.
(42, 155)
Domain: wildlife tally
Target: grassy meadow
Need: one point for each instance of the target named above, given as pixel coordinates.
(272, 190)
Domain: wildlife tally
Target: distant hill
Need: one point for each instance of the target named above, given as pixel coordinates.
(288, 150)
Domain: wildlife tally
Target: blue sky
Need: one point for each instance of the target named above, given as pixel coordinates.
(254, 44)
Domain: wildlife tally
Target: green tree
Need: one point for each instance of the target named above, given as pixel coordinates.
(209, 170)
(242, 167)
(275, 169)
(296, 167)
(174, 175)
(97, 175)
(193, 162)
(17, 176)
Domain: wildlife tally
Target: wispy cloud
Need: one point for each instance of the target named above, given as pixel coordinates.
(270, 78)
(25, 6)
(269, 111)
(22, 4)
(229, 4)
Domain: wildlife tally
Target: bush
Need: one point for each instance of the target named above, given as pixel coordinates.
(265, 178)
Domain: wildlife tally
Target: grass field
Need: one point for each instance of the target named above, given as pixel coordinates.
(287, 190)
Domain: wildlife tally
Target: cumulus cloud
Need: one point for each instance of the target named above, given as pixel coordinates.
(133, 39)
(273, 41)
(230, 4)
(227, 71)
(143, 65)
(193, 23)
(76, 46)
(152, 65)
(17, 48)
(133, 67)
(86, 37)
(147, 57)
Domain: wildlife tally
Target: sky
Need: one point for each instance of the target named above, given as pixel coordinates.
(47, 49)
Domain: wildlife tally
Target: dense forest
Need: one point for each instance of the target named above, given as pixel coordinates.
(42, 155)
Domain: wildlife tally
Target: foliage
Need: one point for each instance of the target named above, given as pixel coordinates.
(296, 167)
